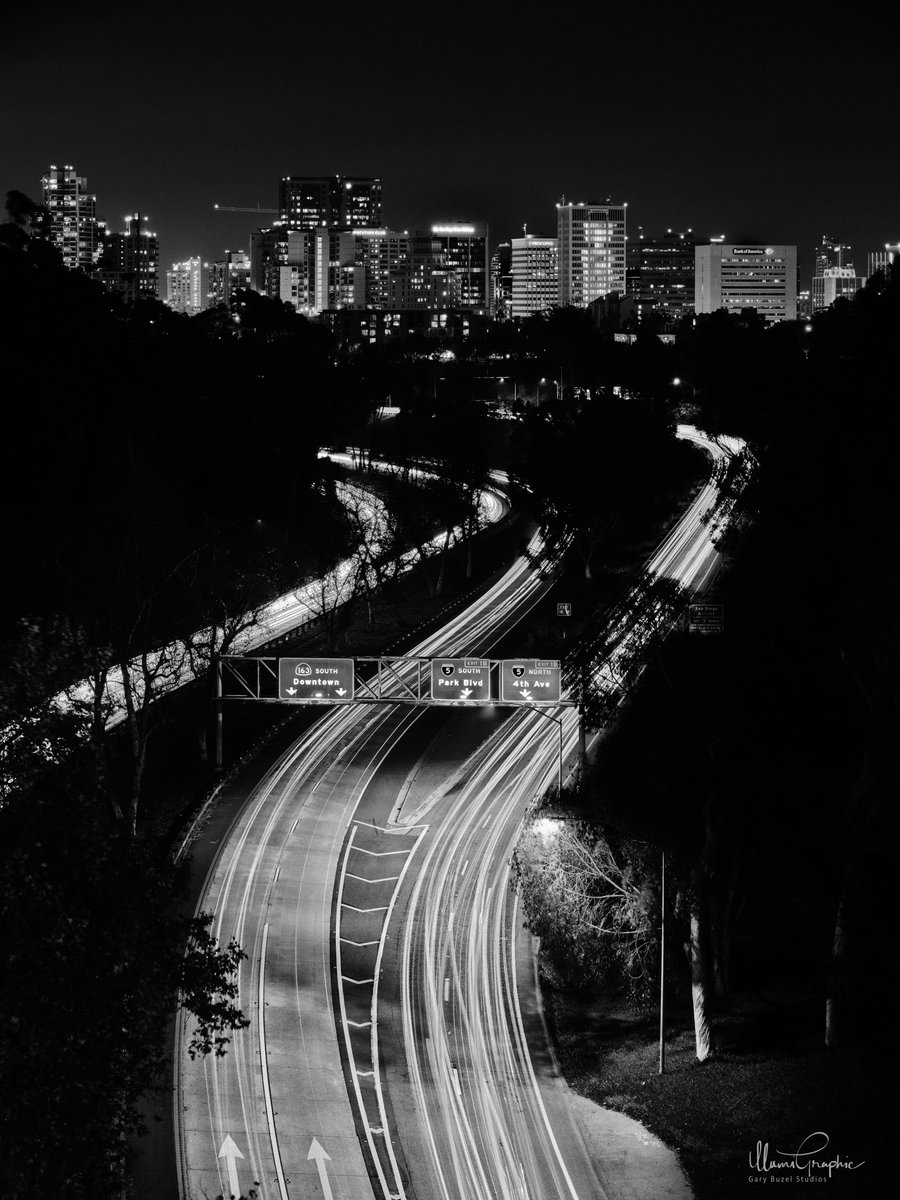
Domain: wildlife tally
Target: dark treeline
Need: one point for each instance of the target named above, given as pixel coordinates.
(136, 438)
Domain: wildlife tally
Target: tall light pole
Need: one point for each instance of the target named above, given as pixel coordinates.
(662, 967)
(559, 723)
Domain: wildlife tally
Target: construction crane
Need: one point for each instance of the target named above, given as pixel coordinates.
(241, 208)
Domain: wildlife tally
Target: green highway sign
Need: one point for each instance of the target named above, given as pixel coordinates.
(458, 679)
(530, 681)
(315, 679)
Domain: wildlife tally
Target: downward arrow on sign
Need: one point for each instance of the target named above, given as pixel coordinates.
(231, 1153)
(317, 1151)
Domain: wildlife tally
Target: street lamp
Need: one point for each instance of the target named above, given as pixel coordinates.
(559, 722)
(503, 379)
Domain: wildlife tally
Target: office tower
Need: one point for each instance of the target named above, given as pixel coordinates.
(268, 254)
(829, 255)
(500, 282)
(535, 274)
(448, 267)
(839, 282)
(74, 228)
(661, 274)
(738, 277)
(384, 256)
(305, 202)
(130, 260)
(228, 275)
(591, 251)
(326, 269)
(185, 291)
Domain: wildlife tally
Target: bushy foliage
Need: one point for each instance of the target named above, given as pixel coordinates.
(594, 907)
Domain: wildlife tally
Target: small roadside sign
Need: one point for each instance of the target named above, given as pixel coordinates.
(530, 681)
(315, 679)
(564, 610)
(706, 618)
(458, 679)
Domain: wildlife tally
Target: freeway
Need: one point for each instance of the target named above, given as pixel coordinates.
(367, 877)
(180, 662)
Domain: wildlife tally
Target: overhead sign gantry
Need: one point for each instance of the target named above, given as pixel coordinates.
(385, 679)
(390, 679)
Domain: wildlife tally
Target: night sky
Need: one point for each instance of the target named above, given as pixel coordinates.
(769, 124)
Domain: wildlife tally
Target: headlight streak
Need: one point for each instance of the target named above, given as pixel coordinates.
(519, 1156)
(481, 1111)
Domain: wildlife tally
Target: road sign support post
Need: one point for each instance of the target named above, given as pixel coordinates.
(218, 717)
(558, 720)
(662, 968)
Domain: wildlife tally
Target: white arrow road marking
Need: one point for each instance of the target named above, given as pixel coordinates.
(317, 1151)
(230, 1153)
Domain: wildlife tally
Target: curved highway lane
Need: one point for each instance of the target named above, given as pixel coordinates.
(404, 1071)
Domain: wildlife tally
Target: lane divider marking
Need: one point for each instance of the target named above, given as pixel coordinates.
(264, 1065)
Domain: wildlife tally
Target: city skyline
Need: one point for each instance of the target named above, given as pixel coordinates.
(460, 129)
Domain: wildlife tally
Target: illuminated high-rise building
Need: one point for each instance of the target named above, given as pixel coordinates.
(448, 267)
(734, 277)
(535, 274)
(228, 275)
(130, 260)
(661, 274)
(839, 283)
(307, 201)
(383, 255)
(331, 269)
(591, 251)
(268, 254)
(830, 255)
(73, 225)
(185, 290)
(500, 282)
